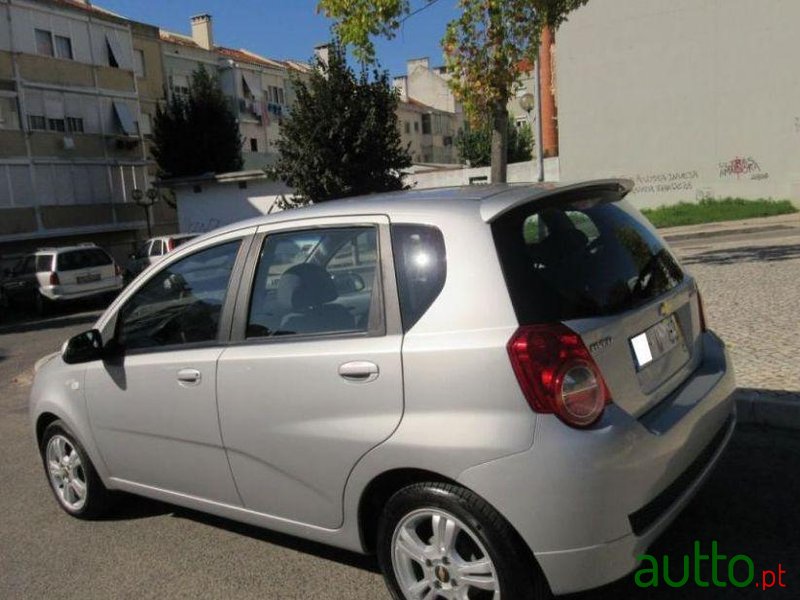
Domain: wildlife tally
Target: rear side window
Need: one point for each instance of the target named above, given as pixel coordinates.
(44, 263)
(420, 262)
(581, 259)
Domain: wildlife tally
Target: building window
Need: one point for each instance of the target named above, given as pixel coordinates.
(37, 122)
(74, 124)
(63, 47)
(416, 126)
(408, 127)
(44, 42)
(253, 145)
(275, 95)
(56, 125)
(145, 124)
(520, 122)
(9, 118)
(426, 124)
(138, 63)
(112, 59)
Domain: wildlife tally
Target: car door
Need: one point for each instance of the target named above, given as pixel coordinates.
(312, 380)
(22, 285)
(153, 408)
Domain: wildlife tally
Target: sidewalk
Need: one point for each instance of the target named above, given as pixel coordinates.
(704, 230)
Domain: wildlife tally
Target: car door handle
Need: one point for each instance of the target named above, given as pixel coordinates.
(359, 371)
(189, 376)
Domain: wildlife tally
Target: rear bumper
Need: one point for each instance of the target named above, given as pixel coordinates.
(589, 502)
(57, 293)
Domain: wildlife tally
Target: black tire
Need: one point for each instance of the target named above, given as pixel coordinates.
(517, 572)
(98, 500)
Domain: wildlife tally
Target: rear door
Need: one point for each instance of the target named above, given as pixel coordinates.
(314, 381)
(22, 285)
(592, 261)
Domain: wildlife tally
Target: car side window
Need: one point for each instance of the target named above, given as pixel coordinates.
(29, 266)
(182, 303)
(155, 249)
(315, 282)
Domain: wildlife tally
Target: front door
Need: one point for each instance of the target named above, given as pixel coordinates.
(153, 409)
(315, 381)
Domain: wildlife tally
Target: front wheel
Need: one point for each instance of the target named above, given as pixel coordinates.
(440, 541)
(72, 476)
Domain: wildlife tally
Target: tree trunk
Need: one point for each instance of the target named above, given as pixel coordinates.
(499, 143)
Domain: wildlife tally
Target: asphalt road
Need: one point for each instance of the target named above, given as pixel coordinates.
(152, 550)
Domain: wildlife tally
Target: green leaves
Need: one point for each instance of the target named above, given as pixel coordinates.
(475, 144)
(198, 133)
(341, 138)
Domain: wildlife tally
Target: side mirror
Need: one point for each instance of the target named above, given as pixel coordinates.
(84, 347)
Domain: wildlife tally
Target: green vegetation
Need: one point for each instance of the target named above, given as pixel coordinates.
(714, 210)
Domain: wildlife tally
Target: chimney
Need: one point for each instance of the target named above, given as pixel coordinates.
(201, 31)
(415, 63)
(322, 52)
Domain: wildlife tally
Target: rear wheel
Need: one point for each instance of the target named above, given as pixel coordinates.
(440, 541)
(72, 476)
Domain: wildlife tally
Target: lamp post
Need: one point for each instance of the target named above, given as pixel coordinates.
(528, 102)
(146, 200)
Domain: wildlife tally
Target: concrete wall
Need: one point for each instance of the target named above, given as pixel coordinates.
(211, 205)
(524, 172)
(689, 98)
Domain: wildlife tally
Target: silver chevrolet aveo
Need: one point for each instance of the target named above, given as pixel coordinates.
(502, 391)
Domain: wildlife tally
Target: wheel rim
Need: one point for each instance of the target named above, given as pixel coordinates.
(66, 472)
(435, 555)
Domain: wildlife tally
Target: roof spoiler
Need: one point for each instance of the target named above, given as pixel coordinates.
(552, 195)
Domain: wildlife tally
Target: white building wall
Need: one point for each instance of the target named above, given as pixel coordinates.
(689, 98)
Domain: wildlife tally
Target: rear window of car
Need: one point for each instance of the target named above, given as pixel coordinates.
(181, 240)
(44, 263)
(581, 259)
(420, 263)
(83, 259)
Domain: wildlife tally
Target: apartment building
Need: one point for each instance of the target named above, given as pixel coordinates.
(71, 136)
(260, 88)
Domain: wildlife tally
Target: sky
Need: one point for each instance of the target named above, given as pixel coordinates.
(289, 29)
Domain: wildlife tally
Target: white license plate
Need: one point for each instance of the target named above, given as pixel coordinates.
(657, 341)
(90, 278)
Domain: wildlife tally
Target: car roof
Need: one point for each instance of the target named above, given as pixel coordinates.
(488, 201)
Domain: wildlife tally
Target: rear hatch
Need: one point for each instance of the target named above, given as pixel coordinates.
(587, 258)
(85, 270)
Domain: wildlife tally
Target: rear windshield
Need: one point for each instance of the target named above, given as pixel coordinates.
(83, 259)
(181, 240)
(582, 259)
(44, 262)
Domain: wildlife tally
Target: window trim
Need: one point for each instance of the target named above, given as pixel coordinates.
(384, 307)
(36, 32)
(110, 326)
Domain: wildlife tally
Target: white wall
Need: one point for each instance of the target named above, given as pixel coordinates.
(524, 172)
(219, 204)
(689, 98)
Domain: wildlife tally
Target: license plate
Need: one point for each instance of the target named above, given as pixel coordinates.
(90, 278)
(657, 341)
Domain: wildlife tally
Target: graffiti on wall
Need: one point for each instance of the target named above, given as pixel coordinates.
(742, 167)
(673, 181)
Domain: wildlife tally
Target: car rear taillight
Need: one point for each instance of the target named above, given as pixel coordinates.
(557, 373)
(54, 279)
(170, 245)
(701, 308)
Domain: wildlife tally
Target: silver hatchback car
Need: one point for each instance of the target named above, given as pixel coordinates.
(502, 391)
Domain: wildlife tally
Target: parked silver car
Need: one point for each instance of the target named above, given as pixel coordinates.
(502, 390)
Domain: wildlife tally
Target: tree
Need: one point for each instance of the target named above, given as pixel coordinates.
(341, 138)
(483, 48)
(475, 145)
(197, 133)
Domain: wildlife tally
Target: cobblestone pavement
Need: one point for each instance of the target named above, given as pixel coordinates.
(751, 292)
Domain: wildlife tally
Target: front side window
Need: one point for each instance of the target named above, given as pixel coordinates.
(315, 282)
(182, 303)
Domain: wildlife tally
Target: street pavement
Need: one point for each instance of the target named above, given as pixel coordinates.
(152, 550)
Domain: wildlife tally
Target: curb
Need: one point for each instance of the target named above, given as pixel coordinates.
(780, 410)
(680, 237)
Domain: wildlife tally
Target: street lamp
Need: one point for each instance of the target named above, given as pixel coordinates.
(528, 102)
(146, 200)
